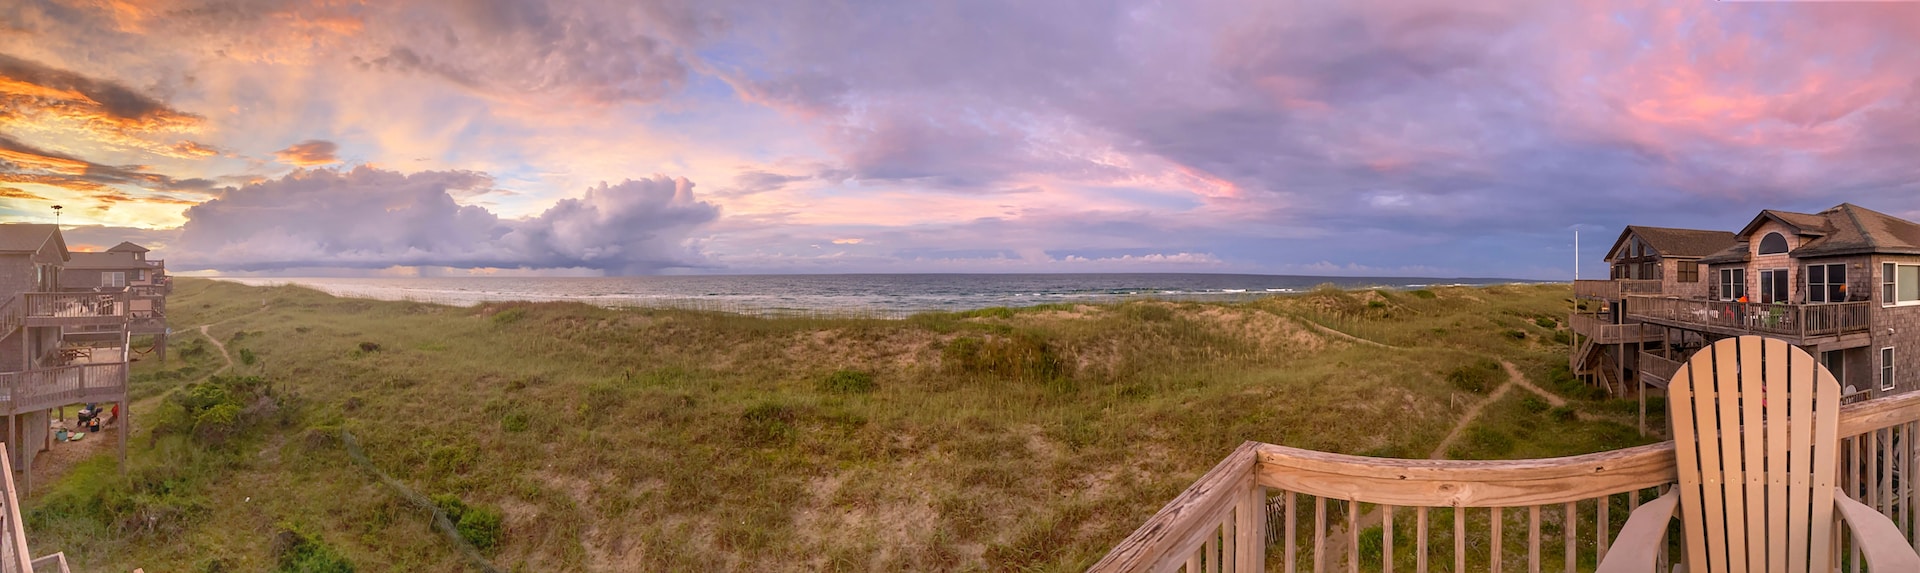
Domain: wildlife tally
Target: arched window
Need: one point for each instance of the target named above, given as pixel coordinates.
(1773, 244)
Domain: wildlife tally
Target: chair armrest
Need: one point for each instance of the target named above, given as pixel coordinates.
(1877, 537)
(1637, 547)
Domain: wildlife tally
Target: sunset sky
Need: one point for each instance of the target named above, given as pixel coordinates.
(1450, 138)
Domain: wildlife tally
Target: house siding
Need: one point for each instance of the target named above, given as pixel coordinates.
(1897, 327)
(1758, 262)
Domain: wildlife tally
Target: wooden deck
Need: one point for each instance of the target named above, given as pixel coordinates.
(35, 390)
(1613, 290)
(1799, 324)
(1602, 332)
(1221, 522)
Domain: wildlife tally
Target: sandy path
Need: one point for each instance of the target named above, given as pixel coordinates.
(1323, 329)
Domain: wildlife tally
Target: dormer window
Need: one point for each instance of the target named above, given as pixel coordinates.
(1773, 244)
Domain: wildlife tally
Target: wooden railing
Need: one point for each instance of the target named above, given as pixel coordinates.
(1520, 515)
(33, 390)
(1614, 289)
(1657, 370)
(73, 307)
(1788, 320)
(1597, 328)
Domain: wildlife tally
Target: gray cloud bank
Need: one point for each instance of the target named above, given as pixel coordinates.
(373, 218)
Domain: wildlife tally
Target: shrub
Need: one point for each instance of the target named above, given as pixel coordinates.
(297, 552)
(369, 347)
(1563, 413)
(509, 316)
(1426, 294)
(767, 422)
(1516, 334)
(847, 382)
(1479, 377)
(1562, 337)
(247, 357)
(481, 527)
(1533, 404)
(220, 409)
(514, 422)
(1547, 323)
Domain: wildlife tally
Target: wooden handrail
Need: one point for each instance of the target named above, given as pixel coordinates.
(17, 558)
(1783, 319)
(1616, 288)
(1465, 483)
(1584, 486)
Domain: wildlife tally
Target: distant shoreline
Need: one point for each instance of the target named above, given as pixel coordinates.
(888, 296)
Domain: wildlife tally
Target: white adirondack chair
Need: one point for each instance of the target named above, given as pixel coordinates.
(1754, 423)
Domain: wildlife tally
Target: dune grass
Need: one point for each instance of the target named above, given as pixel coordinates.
(637, 439)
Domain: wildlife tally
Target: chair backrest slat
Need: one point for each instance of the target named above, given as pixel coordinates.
(1754, 423)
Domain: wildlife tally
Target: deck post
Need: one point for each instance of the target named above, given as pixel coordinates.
(126, 427)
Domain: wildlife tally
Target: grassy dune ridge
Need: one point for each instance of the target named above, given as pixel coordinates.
(1023, 439)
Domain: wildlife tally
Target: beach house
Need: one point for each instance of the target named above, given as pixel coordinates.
(125, 267)
(1844, 283)
(56, 348)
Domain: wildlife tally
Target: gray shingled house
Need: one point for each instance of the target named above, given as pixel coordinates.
(1843, 283)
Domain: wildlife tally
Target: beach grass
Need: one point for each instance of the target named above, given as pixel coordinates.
(658, 439)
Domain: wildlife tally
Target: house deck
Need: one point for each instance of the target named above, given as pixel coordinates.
(1273, 507)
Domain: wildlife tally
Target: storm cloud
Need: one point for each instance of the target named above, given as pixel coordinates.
(372, 218)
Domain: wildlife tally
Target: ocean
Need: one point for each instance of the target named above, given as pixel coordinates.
(867, 295)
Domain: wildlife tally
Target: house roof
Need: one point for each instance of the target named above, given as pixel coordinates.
(127, 247)
(1681, 243)
(1802, 223)
(28, 237)
(1857, 230)
(106, 261)
(1736, 253)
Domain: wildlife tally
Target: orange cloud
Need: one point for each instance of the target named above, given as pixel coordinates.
(30, 160)
(18, 193)
(309, 153)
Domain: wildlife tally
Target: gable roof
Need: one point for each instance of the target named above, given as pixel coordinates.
(1672, 242)
(1802, 223)
(127, 247)
(104, 261)
(29, 237)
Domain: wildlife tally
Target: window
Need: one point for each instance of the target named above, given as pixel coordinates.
(1733, 284)
(1773, 244)
(1827, 283)
(113, 279)
(1689, 272)
(1899, 284)
(1886, 368)
(139, 275)
(1773, 286)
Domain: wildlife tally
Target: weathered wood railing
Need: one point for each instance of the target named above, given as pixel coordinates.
(59, 308)
(44, 388)
(1557, 513)
(1601, 331)
(1797, 321)
(14, 556)
(1614, 289)
(1657, 370)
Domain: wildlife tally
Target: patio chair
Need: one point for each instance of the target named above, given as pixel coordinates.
(1768, 408)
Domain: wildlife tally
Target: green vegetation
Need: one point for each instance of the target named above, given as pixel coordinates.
(570, 437)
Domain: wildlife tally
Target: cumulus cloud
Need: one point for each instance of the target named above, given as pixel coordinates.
(373, 218)
(309, 153)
